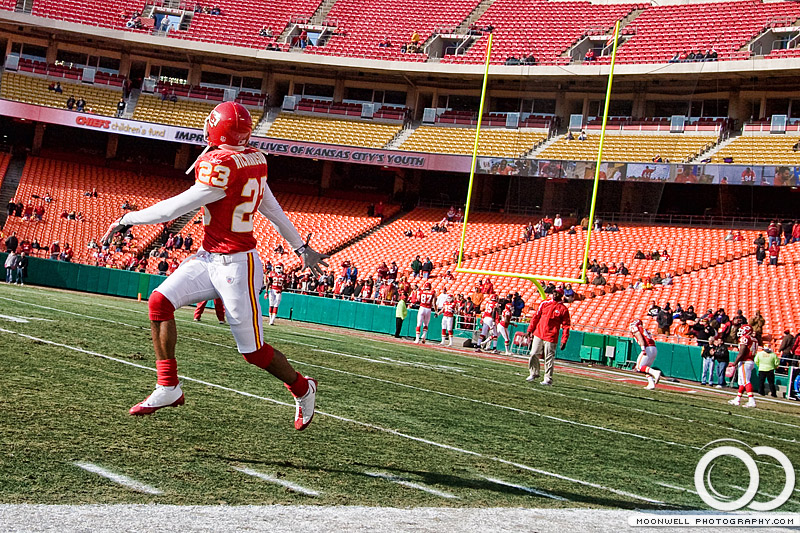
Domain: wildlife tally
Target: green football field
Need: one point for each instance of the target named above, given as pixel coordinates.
(398, 425)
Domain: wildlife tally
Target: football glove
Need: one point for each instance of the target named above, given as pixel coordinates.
(113, 229)
(563, 345)
(312, 259)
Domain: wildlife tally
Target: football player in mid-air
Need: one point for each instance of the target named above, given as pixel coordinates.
(448, 312)
(276, 281)
(427, 301)
(644, 363)
(745, 361)
(231, 182)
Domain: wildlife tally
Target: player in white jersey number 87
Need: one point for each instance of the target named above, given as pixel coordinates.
(231, 182)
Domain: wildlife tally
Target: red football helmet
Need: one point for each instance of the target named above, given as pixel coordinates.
(427, 286)
(744, 330)
(494, 298)
(229, 123)
(279, 268)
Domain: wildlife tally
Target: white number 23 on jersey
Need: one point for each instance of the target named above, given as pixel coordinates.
(253, 190)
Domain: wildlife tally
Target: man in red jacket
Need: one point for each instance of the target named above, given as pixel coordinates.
(551, 316)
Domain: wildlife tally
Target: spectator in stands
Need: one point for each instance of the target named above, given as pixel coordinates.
(623, 270)
(187, 242)
(265, 31)
(721, 359)
(518, 304)
(788, 229)
(757, 323)
(795, 231)
(20, 208)
(70, 103)
(599, 280)
(785, 347)
(712, 55)
(796, 146)
(120, 107)
(416, 267)
(38, 212)
(35, 246)
(767, 362)
(57, 89)
(773, 251)
(589, 56)
(80, 104)
(12, 242)
(427, 268)
(66, 254)
(582, 136)
(163, 267)
(664, 319)
(11, 207)
(676, 58)
(557, 223)
(385, 43)
(303, 40)
(415, 38)
(419, 234)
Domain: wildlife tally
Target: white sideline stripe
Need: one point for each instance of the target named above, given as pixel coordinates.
(412, 485)
(675, 487)
(393, 362)
(499, 363)
(524, 488)
(343, 419)
(120, 479)
(419, 365)
(767, 494)
(499, 406)
(282, 482)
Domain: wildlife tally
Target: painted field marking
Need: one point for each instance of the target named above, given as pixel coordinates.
(435, 367)
(294, 487)
(767, 494)
(675, 487)
(343, 419)
(412, 485)
(119, 479)
(524, 488)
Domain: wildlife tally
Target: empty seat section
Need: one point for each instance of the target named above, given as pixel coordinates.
(185, 112)
(33, 90)
(363, 25)
(540, 28)
(677, 147)
(332, 131)
(455, 140)
(760, 150)
(67, 183)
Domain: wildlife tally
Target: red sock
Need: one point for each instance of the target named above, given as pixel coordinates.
(741, 389)
(749, 389)
(167, 372)
(300, 386)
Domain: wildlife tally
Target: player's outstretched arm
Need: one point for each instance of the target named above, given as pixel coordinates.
(195, 197)
(271, 209)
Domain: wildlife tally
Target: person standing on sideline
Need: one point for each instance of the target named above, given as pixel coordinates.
(231, 185)
(11, 266)
(551, 316)
(219, 309)
(767, 362)
(400, 313)
(745, 362)
(721, 357)
(22, 268)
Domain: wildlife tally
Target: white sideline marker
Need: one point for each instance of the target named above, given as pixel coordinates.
(282, 482)
(125, 481)
(524, 488)
(675, 487)
(412, 485)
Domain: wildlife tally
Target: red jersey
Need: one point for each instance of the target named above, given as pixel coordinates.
(489, 310)
(748, 346)
(448, 308)
(505, 317)
(549, 318)
(277, 281)
(426, 299)
(646, 335)
(243, 176)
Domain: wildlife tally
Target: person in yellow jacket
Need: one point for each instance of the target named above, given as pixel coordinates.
(401, 312)
(767, 362)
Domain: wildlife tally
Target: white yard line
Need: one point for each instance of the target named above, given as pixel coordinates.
(767, 494)
(120, 479)
(282, 482)
(343, 419)
(524, 488)
(412, 485)
(675, 487)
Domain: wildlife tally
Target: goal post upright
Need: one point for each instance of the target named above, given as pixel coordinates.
(536, 279)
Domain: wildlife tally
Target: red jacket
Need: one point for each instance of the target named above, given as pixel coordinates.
(549, 318)
(772, 230)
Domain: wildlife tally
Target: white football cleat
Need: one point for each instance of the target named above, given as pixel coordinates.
(530, 378)
(161, 397)
(442, 343)
(651, 383)
(305, 406)
(416, 341)
(546, 382)
(734, 401)
(656, 375)
(451, 342)
(750, 403)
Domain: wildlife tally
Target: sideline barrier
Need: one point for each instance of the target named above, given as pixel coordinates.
(675, 360)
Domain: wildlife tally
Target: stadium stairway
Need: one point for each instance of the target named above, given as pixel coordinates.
(10, 183)
(479, 10)
(322, 11)
(176, 227)
(543, 146)
(130, 103)
(714, 149)
(402, 136)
